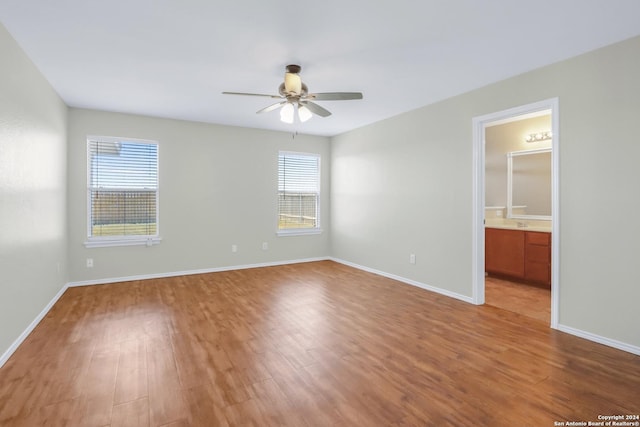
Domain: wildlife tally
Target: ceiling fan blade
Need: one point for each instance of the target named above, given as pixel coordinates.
(271, 107)
(251, 94)
(335, 96)
(316, 109)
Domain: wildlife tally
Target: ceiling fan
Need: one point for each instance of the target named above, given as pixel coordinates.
(295, 94)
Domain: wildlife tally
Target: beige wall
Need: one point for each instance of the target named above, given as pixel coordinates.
(404, 185)
(400, 186)
(502, 139)
(33, 235)
(218, 187)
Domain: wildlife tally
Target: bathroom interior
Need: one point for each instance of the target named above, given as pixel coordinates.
(518, 215)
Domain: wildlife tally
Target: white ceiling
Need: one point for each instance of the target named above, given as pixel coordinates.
(173, 58)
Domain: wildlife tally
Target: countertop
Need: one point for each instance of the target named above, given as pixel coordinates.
(512, 224)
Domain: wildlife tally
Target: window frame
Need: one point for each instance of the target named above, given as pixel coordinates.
(120, 240)
(299, 231)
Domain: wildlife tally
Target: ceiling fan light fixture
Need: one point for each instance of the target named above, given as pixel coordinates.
(292, 83)
(294, 95)
(303, 113)
(286, 113)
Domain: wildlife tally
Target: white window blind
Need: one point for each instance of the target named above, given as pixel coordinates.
(298, 192)
(122, 190)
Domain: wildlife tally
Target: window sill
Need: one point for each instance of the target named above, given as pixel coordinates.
(298, 232)
(104, 243)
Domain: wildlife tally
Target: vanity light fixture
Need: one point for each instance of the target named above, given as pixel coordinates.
(539, 136)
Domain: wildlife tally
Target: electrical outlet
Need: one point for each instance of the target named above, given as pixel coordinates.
(234, 248)
(412, 258)
(89, 262)
(265, 246)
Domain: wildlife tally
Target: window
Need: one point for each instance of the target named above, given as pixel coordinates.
(298, 193)
(122, 196)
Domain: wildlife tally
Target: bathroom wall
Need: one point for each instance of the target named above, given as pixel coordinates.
(501, 139)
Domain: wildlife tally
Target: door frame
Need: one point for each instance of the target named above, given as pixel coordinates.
(479, 124)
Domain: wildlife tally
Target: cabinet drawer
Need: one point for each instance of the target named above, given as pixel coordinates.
(536, 238)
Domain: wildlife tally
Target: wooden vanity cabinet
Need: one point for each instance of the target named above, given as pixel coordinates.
(537, 261)
(504, 252)
(518, 254)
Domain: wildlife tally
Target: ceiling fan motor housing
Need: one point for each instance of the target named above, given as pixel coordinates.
(292, 82)
(292, 68)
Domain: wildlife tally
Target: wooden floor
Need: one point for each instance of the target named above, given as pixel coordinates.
(317, 344)
(525, 299)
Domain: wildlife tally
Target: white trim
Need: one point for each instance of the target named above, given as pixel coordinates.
(525, 152)
(478, 198)
(555, 213)
(123, 240)
(14, 346)
(478, 212)
(563, 328)
(298, 232)
(405, 280)
(510, 119)
(191, 272)
(600, 339)
(133, 241)
(117, 139)
(299, 153)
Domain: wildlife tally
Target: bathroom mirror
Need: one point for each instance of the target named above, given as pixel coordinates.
(529, 184)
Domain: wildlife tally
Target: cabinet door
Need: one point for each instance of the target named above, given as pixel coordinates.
(537, 253)
(538, 272)
(504, 252)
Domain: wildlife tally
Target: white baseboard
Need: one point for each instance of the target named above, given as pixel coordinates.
(14, 346)
(407, 281)
(600, 340)
(567, 329)
(191, 272)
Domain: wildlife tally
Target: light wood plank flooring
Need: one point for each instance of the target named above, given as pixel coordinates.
(316, 344)
(525, 299)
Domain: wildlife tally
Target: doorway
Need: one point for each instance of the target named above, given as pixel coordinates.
(508, 211)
